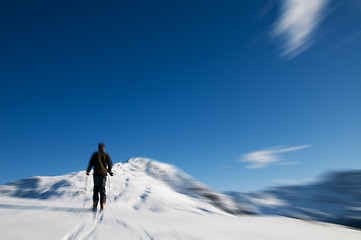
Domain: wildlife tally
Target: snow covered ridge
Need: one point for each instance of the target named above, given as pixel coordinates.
(335, 198)
(134, 179)
(146, 199)
(185, 184)
(145, 184)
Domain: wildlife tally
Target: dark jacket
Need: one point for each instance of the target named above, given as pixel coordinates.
(100, 160)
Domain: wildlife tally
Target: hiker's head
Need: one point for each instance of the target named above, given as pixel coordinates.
(101, 147)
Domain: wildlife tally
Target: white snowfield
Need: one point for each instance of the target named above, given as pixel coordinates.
(146, 200)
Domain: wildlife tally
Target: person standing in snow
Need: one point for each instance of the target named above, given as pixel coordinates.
(102, 164)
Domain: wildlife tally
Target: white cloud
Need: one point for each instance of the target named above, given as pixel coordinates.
(263, 158)
(285, 181)
(293, 181)
(297, 24)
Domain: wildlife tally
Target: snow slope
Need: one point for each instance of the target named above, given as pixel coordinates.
(336, 198)
(140, 183)
(146, 200)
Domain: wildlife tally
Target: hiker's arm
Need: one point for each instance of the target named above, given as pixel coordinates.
(110, 165)
(91, 164)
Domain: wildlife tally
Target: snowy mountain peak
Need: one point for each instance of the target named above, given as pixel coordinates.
(146, 199)
(184, 184)
(167, 173)
(138, 161)
(137, 183)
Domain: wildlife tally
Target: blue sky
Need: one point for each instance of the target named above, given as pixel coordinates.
(239, 94)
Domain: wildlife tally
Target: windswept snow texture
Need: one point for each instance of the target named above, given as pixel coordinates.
(335, 199)
(139, 182)
(146, 199)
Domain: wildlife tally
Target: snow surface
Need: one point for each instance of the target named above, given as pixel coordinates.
(146, 200)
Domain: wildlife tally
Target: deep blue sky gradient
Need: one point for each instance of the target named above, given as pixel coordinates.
(193, 83)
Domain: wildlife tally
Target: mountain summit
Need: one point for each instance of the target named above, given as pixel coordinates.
(139, 183)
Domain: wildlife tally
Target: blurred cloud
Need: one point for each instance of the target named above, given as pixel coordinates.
(265, 10)
(293, 181)
(285, 181)
(289, 163)
(297, 24)
(354, 38)
(263, 158)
